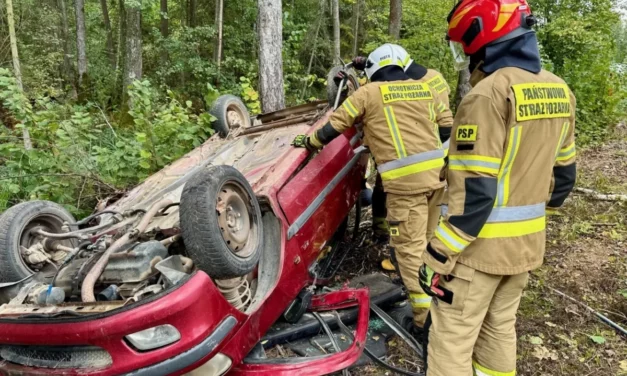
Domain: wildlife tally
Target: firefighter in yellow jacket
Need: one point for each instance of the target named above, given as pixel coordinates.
(438, 83)
(512, 155)
(400, 120)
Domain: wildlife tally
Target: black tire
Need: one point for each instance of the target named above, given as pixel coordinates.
(14, 225)
(202, 222)
(332, 88)
(220, 110)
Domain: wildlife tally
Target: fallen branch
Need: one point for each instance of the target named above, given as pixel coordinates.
(603, 318)
(600, 196)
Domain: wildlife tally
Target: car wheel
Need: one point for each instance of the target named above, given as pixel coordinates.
(332, 88)
(221, 222)
(230, 113)
(15, 234)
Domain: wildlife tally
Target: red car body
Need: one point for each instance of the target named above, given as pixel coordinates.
(309, 197)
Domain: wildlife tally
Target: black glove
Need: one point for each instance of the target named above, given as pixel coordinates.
(302, 141)
(339, 77)
(359, 62)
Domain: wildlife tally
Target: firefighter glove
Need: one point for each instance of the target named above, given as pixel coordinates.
(303, 141)
(430, 283)
(359, 62)
(339, 77)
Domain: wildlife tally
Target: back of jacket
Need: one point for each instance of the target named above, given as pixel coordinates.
(439, 84)
(400, 121)
(512, 154)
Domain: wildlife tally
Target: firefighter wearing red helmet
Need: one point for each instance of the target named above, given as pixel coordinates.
(511, 157)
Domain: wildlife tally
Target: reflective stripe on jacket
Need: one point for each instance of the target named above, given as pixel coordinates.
(512, 155)
(401, 121)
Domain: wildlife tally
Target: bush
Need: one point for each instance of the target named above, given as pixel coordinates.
(80, 156)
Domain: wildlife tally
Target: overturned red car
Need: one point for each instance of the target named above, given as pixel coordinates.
(192, 267)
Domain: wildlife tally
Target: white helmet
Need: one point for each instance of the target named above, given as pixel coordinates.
(381, 57)
(403, 56)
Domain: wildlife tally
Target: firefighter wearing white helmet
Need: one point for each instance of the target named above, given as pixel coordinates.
(400, 124)
(437, 82)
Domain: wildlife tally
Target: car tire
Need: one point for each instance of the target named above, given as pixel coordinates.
(221, 222)
(15, 225)
(230, 113)
(332, 88)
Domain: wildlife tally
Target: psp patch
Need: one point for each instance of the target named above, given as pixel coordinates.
(466, 133)
(394, 231)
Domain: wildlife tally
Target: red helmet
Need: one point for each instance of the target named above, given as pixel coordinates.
(477, 23)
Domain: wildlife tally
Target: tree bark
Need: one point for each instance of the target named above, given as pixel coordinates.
(133, 48)
(164, 27)
(191, 14)
(107, 24)
(68, 68)
(356, 28)
(335, 9)
(396, 13)
(270, 29)
(80, 43)
(219, 23)
(463, 86)
(28, 145)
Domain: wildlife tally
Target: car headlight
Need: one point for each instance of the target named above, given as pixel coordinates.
(154, 338)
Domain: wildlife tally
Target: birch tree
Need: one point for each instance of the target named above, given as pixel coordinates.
(270, 29)
(335, 9)
(80, 42)
(396, 12)
(16, 65)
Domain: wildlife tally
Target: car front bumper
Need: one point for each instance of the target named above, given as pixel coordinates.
(196, 309)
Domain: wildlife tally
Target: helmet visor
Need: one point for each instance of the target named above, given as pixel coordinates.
(460, 59)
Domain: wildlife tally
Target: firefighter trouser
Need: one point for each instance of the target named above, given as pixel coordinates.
(475, 335)
(412, 220)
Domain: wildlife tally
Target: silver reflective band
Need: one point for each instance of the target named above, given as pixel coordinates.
(474, 163)
(154, 338)
(517, 213)
(408, 161)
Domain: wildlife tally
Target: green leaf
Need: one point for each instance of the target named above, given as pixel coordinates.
(598, 339)
(145, 154)
(536, 340)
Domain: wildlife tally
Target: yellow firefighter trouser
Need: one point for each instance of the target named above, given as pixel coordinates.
(412, 220)
(475, 335)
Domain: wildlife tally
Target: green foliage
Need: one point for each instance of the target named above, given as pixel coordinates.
(577, 39)
(79, 157)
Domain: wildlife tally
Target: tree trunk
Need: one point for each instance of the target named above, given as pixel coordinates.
(107, 24)
(28, 145)
(164, 28)
(68, 68)
(356, 28)
(463, 86)
(133, 48)
(335, 9)
(191, 13)
(396, 12)
(219, 23)
(270, 28)
(80, 43)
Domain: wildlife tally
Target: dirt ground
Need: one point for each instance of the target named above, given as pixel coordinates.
(586, 259)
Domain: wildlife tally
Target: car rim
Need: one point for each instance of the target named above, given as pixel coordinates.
(235, 117)
(236, 218)
(45, 222)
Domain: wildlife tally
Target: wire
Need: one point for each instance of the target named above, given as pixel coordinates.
(329, 333)
(371, 355)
